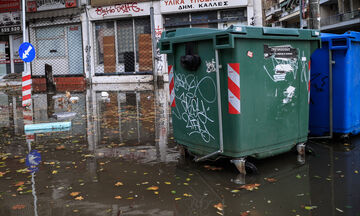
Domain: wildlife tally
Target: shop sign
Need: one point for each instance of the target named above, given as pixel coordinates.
(96, 3)
(126, 9)
(42, 5)
(10, 29)
(10, 22)
(9, 6)
(168, 6)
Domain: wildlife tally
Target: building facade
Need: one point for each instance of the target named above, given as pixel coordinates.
(55, 30)
(123, 35)
(10, 37)
(109, 41)
(336, 16)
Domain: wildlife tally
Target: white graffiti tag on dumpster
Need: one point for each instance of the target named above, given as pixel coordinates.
(195, 104)
(289, 94)
(210, 66)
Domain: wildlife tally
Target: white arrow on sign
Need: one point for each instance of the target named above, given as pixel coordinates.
(26, 53)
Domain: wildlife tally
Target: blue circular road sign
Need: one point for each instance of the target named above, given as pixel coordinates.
(33, 159)
(27, 52)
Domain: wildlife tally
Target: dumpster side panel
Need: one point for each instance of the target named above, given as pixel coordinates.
(195, 118)
(355, 82)
(346, 89)
(319, 93)
(274, 97)
(351, 95)
(341, 76)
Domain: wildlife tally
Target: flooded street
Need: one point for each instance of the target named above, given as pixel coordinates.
(119, 158)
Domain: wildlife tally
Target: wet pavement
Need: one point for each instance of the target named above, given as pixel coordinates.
(119, 158)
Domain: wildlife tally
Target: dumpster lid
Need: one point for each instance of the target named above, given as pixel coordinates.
(352, 35)
(193, 34)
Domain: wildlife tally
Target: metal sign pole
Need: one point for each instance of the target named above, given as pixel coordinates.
(301, 13)
(24, 28)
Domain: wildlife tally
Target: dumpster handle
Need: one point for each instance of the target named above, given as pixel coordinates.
(221, 150)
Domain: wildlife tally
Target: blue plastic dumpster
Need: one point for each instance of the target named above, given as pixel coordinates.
(339, 56)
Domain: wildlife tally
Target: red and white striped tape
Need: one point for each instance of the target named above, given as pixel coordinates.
(234, 88)
(171, 85)
(26, 89)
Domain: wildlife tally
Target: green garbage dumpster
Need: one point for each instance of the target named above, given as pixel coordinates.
(239, 92)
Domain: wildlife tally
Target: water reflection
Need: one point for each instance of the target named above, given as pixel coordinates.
(121, 133)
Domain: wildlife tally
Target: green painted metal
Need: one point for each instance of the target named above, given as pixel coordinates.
(273, 86)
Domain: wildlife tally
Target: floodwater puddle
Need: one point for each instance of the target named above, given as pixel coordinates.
(119, 158)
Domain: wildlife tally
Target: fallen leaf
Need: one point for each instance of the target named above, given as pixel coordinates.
(19, 184)
(247, 213)
(156, 192)
(19, 206)
(79, 198)
(298, 176)
(177, 198)
(153, 188)
(310, 207)
(74, 193)
(271, 180)
(25, 170)
(208, 167)
(119, 184)
(339, 210)
(250, 187)
(75, 210)
(89, 155)
(118, 197)
(2, 174)
(168, 183)
(187, 195)
(60, 147)
(173, 192)
(235, 191)
(219, 206)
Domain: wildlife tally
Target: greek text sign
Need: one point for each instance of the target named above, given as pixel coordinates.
(9, 6)
(41, 5)
(167, 6)
(126, 9)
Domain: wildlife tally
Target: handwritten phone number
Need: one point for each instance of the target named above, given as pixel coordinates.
(10, 29)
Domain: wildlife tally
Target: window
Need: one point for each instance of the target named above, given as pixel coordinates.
(50, 42)
(126, 50)
(177, 21)
(238, 14)
(204, 19)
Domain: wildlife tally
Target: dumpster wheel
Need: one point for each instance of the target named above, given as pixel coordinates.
(244, 166)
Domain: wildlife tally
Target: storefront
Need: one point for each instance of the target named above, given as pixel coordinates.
(10, 37)
(122, 42)
(124, 34)
(55, 31)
